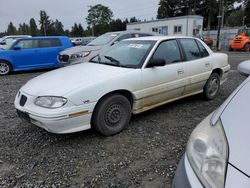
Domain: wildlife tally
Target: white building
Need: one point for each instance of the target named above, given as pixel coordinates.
(183, 25)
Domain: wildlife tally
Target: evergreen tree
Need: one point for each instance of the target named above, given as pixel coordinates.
(247, 13)
(33, 27)
(11, 30)
(46, 24)
(58, 28)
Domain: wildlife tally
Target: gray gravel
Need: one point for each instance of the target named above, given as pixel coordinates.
(143, 155)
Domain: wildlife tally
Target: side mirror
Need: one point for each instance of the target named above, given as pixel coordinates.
(156, 63)
(244, 68)
(17, 47)
(3, 43)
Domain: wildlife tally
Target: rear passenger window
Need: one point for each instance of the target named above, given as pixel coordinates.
(169, 51)
(203, 51)
(26, 44)
(124, 37)
(49, 43)
(190, 48)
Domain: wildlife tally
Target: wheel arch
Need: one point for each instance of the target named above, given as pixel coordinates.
(123, 92)
(218, 71)
(7, 61)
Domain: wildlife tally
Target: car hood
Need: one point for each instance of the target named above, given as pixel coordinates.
(64, 80)
(236, 122)
(78, 49)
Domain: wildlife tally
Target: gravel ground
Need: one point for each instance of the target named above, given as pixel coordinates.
(143, 155)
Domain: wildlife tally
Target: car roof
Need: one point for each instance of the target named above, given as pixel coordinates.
(132, 31)
(42, 37)
(159, 38)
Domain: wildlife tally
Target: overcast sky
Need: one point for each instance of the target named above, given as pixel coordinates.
(70, 11)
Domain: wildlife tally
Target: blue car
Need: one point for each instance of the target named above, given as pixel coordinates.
(32, 53)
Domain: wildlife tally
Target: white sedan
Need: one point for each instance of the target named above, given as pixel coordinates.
(218, 149)
(132, 76)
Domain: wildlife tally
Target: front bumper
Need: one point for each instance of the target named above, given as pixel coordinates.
(63, 120)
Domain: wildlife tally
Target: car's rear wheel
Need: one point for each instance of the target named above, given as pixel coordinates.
(247, 47)
(212, 86)
(5, 68)
(112, 114)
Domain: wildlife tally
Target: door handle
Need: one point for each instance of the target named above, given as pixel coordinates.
(180, 71)
(207, 64)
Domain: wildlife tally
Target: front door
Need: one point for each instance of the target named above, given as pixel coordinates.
(167, 82)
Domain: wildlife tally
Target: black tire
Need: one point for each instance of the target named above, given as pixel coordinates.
(112, 114)
(5, 68)
(212, 86)
(230, 49)
(247, 47)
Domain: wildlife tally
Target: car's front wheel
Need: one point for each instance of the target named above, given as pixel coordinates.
(112, 114)
(212, 86)
(247, 47)
(5, 68)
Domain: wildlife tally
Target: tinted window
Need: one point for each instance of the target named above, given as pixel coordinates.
(26, 44)
(124, 37)
(190, 48)
(49, 43)
(169, 51)
(144, 35)
(203, 51)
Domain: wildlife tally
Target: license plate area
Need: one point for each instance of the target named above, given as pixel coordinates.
(23, 115)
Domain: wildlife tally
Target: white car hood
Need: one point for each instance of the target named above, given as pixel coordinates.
(236, 122)
(61, 81)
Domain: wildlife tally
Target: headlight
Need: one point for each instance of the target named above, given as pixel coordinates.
(80, 55)
(207, 152)
(50, 102)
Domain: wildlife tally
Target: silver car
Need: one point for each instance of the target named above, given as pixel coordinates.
(218, 151)
(85, 53)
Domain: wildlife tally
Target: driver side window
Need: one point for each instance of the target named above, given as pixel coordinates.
(169, 51)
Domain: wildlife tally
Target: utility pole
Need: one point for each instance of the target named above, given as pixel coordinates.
(220, 20)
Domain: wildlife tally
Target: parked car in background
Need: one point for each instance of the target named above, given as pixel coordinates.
(7, 41)
(32, 53)
(76, 41)
(132, 76)
(218, 152)
(80, 54)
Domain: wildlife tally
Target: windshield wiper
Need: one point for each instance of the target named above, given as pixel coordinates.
(113, 60)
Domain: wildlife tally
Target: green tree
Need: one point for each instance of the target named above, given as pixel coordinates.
(117, 25)
(33, 28)
(99, 18)
(58, 28)
(77, 30)
(24, 29)
(235, 18)
(247, 13)
(11, 30)
(45, 23)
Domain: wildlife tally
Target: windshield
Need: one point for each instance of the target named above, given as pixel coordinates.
(103, 39)
(9, 42)
(130, 54)
(246, 31)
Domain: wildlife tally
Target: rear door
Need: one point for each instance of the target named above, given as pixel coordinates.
(199, 65)
(48, 50)
(165, 82)
(27, 55)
